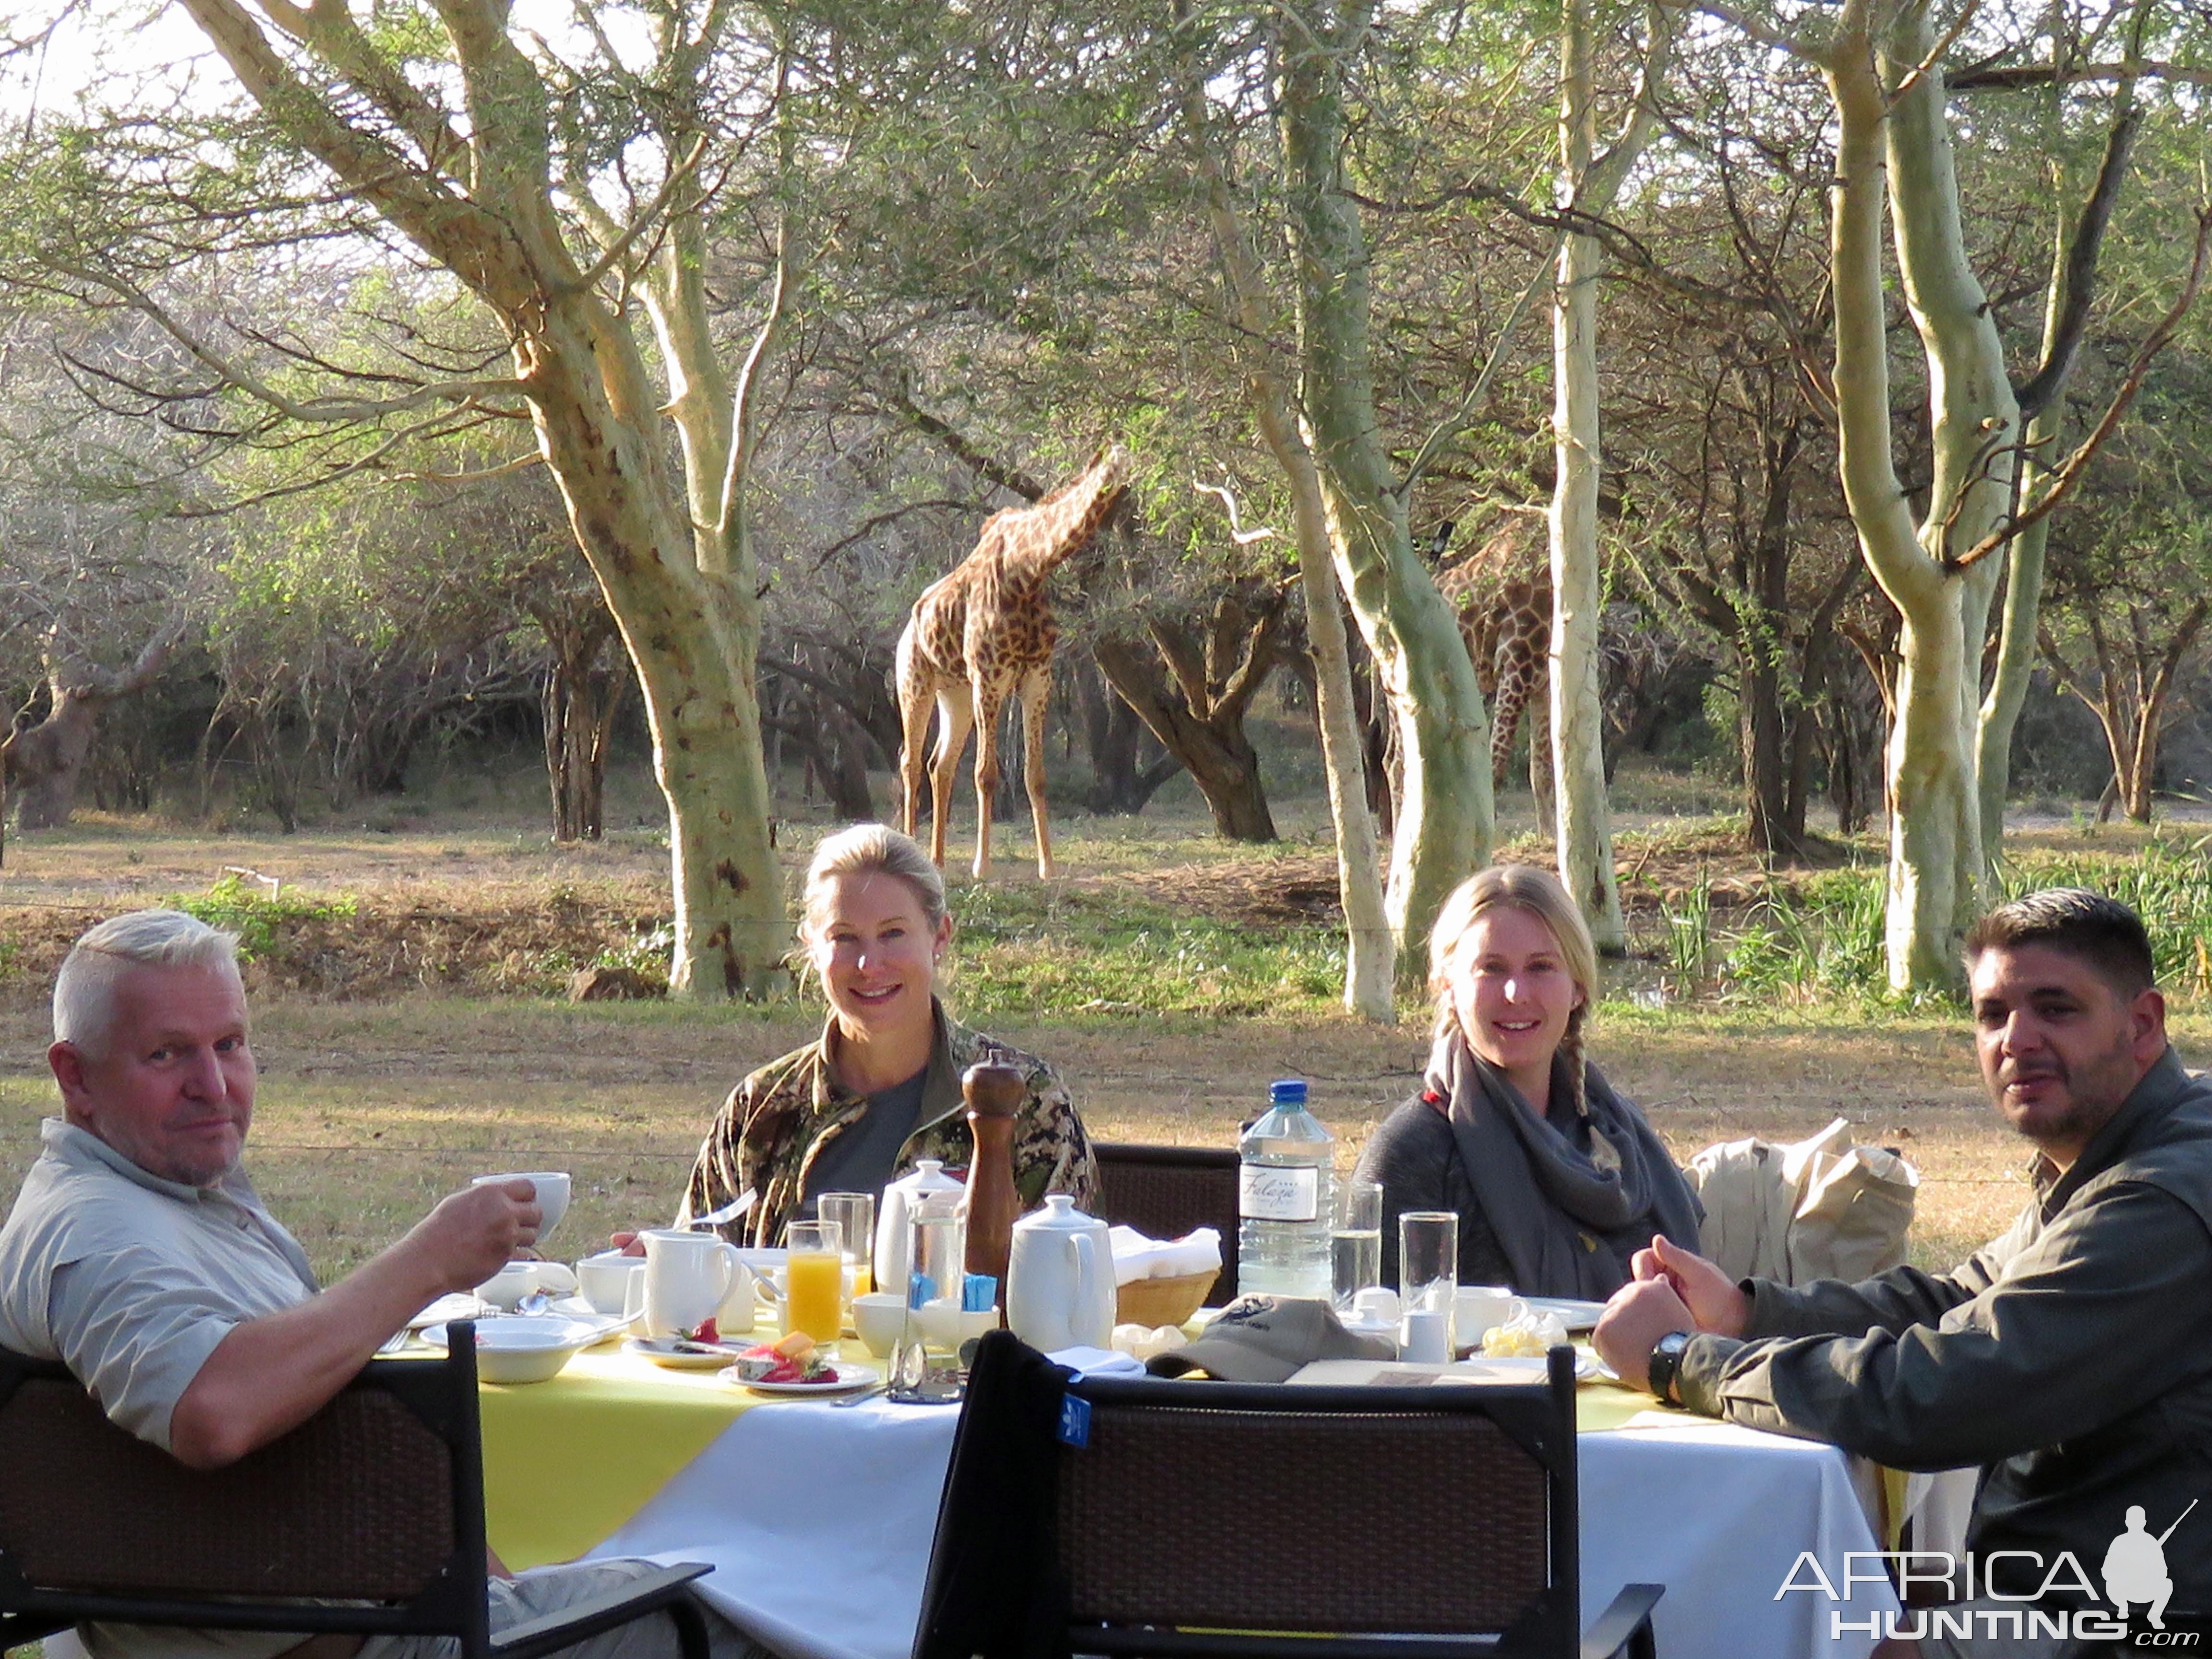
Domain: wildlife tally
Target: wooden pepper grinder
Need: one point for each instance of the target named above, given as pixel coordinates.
(995, 1095)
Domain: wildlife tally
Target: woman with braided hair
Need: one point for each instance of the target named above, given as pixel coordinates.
(1558, 1180)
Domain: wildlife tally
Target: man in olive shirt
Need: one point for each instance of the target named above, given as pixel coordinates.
(2072, 1358)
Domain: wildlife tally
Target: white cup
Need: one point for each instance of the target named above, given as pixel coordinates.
(693, 1277)
(552, 1194)
(1479, 1309)
(604, 1280)
(1424, 1336)
(879, 1317)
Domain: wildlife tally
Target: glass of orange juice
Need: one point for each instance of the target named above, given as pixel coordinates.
(855, 1213)
(813, 1297)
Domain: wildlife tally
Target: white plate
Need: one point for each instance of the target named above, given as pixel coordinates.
(849, 1377)
(662, 1351)
(1515, 1367)
(1577, 1317)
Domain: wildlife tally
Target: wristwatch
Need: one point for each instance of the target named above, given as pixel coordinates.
(1666, 1364)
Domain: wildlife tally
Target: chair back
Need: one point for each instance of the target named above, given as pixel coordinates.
(377, 1500)
(1211, 1519)
(1163, 1192)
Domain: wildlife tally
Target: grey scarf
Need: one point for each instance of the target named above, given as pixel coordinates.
(1569, 1222)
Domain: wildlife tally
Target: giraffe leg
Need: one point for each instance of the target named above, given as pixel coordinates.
(1513, 679)
(955, 714)
(916, 701)
(989, 701)
(1036, 691)
(1540, 746)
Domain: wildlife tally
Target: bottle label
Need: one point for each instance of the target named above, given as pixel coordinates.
(1272, 1195)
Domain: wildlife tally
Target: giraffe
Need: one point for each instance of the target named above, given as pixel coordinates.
(983, 633)
(1502, 593)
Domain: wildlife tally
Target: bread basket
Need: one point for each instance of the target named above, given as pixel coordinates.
(1163, 1301)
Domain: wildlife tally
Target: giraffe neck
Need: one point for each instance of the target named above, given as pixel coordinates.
(1058, 526)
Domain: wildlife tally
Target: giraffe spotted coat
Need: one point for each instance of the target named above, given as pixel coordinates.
(777, 1122)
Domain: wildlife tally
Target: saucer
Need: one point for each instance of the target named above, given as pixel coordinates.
(663, 1350)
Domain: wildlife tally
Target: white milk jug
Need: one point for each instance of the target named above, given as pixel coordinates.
(1060, 1279)
(903, 1200)
(693, 1277)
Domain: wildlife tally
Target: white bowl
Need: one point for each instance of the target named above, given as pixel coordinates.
(879, 1317)
(552, 1185)
(524, 1348)
(510, 1285)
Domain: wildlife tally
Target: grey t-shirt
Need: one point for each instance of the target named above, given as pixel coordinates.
(863, 1154)
(131, 1281)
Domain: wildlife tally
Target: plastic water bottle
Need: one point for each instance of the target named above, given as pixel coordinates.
(1285, 1199)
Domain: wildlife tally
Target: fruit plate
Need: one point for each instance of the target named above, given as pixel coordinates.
(848, 1378)
(664, 1351)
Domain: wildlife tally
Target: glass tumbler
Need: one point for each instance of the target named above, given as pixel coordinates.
(926, 1364)
(814, 1280)
(1428, 1280)
(1356, 1241)
(856, 1214)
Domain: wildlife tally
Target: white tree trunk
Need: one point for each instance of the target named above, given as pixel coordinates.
(1445, 812)
(1371, 951)
(1584, 820)
(1936, 865)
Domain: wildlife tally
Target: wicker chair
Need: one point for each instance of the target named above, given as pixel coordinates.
(1165, 1191)
(376, 1503)
(1224, 1521)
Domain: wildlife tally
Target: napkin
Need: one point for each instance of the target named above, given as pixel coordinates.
(1136, 1256)
(1098, 1362)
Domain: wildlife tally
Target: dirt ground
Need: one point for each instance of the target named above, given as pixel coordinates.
(383, 1088)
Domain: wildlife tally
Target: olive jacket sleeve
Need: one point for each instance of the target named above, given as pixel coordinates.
(2035, 1341)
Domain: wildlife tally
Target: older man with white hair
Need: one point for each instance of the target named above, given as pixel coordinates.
(139, 1255)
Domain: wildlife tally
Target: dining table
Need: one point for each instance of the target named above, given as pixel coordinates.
(818, 1518)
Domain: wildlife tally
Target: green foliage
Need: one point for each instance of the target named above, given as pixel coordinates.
(260, 918)
(1820, 940)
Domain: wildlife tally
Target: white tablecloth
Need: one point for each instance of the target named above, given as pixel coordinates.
(819, 1522)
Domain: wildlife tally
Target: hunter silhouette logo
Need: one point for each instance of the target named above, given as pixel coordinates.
(1960, 1597)
(2134, 1567)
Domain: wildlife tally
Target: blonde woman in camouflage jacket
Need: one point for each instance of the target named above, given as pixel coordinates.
(880, 1090)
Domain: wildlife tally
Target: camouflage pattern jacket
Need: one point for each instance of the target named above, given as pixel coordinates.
(776, 1123)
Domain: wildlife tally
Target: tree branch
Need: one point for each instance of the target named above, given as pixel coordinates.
(2069, 473)
(312, 411)
(2046, 75)
(2078, 283)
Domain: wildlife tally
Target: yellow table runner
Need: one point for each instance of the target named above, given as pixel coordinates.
(568, 1461)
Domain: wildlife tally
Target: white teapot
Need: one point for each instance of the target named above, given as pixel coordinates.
(1060, 1279)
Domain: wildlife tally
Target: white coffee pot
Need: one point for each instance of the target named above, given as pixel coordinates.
(1060, 1279)
(927, 1190)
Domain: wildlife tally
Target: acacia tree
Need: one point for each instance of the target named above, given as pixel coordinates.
(567, 188)
(1881, 63)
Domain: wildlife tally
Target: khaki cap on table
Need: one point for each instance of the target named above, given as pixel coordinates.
(1267, 1339)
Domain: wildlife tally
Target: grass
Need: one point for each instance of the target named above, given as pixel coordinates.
(1035, 954)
